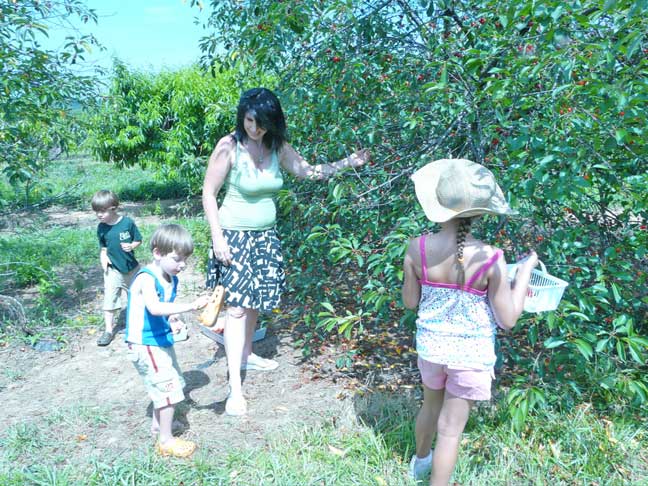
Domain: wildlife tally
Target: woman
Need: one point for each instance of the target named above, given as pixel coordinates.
(244, 240)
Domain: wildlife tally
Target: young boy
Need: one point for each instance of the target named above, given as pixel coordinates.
(118, 237)
(150, 330)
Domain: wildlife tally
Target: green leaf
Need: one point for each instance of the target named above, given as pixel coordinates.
(584, 348)
(554, 342)
(328, 307)
(620, 135)
(602, 344)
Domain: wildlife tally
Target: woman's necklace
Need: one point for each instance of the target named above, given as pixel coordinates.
(259, 158)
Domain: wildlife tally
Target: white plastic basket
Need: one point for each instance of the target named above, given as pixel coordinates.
(545, 291)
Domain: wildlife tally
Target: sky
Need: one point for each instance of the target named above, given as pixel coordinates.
(148, 35)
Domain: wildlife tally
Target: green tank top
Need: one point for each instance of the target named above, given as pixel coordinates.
(249, 198)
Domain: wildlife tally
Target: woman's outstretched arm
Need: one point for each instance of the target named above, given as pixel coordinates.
(294, 163)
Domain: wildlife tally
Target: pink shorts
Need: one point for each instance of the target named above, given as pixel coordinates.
(468, 384)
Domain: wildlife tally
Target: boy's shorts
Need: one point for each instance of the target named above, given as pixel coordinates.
(114, 283)
(467, 384)
(159, 369)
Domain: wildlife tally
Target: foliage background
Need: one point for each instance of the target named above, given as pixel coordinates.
(165, 120)
(39, 91)
(550, 95)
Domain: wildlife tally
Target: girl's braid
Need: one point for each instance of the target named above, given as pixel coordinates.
(462, 231)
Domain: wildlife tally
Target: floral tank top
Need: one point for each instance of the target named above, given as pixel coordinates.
(456, 326)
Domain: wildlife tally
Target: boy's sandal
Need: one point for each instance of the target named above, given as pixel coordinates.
(257, 363)
(176, 448)
(105, 339)
(235, 406)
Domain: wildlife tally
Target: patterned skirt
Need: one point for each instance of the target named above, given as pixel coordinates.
(255, 279)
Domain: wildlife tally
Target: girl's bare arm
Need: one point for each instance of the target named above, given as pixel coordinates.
(507, 301)
(411, 290)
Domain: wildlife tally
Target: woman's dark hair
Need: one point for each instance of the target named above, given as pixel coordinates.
(264, 106)
(462, 231)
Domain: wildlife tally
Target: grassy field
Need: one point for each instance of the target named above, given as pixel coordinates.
(558, 449)
(371, 447)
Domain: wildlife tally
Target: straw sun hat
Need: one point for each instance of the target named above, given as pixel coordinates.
(458, 188)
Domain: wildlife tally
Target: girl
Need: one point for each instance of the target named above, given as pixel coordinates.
(462, 292)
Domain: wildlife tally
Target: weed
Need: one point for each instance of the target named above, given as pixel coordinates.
(23, 439)
(13, 374)
(78, 415)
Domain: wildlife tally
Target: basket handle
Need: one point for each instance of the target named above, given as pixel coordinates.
(542, 265)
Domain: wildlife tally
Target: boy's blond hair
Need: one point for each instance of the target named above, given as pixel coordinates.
(104, 199)
(172, 237)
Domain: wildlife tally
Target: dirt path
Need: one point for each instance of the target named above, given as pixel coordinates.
(93, 398)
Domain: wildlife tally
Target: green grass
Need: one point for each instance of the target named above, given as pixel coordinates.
(558, 449)
(33, 254)
(77, 178)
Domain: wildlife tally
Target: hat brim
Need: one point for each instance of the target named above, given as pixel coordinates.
(426, 180)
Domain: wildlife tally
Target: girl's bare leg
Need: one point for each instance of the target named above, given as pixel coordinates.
(426, 420)
(452, 420)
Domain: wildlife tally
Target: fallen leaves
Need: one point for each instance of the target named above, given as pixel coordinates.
(337, 452)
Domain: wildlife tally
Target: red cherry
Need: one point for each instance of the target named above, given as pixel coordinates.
(336, 59)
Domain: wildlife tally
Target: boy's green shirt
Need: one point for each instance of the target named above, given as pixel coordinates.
(112, 235)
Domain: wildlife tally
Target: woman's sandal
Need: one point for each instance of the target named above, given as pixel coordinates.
(257, 363)
(176, 448)
(235, 406)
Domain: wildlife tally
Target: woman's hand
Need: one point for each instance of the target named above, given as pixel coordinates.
(219, 327)
(222, 251)
(359, 158)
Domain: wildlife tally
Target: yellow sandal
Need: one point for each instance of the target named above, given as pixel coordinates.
(176, 448)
